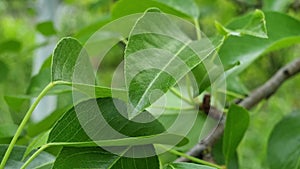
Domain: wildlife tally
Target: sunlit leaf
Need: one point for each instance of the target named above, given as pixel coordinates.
(157, 57)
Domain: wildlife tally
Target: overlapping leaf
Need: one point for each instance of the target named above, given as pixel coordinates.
(87, 157)
(15, 159)
(179, 7)
(158, 54)
(247, 48)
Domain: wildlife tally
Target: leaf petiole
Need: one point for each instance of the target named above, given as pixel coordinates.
(194, 159)
(34, 155)
(24, 122)
(177, 93)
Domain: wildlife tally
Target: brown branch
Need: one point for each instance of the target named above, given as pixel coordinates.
(262, 92)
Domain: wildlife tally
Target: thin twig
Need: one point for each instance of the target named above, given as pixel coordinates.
(259, 94)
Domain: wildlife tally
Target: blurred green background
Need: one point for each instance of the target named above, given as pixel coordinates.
(29, 30)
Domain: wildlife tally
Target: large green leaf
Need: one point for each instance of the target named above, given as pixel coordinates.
(101, 121)
(158, 54)
(237, 122)
(246, 49)
(186, 166)
(15, 159)
(71, 157)
(276, 5)
(284, 143)
(177, 7)
(102, 117)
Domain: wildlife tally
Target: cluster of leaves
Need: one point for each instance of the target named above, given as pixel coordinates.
(60, 140)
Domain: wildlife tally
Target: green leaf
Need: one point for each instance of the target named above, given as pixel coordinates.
(71, 67)
(36, 143)
(42, 79)
(113, 125)
(84, 34)
(217, 153)
(4, 70)
(156, 57)
(46, 28)
(188, 7)
(67, 54)
(7, 130)
(104, 121)
(15, 159)
(10, 46)
(176, 7)
(186, 166)
(284, 143)
(237, 122)
(256, 26)
(246, 49)
(44, 125)
(276, 5)
(99, 158)
(17, 106)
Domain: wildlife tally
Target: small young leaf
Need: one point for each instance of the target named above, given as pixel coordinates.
(67, 54)
(284, 143)
(46, 28)
(71, 66)
(236, 124)
(87, 157)
(246, 49)
(256, 26)
(186, 166)
(36, 143)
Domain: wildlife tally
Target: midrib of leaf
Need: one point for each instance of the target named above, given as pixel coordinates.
(119, 157)
(135, 110)
(172, 166)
